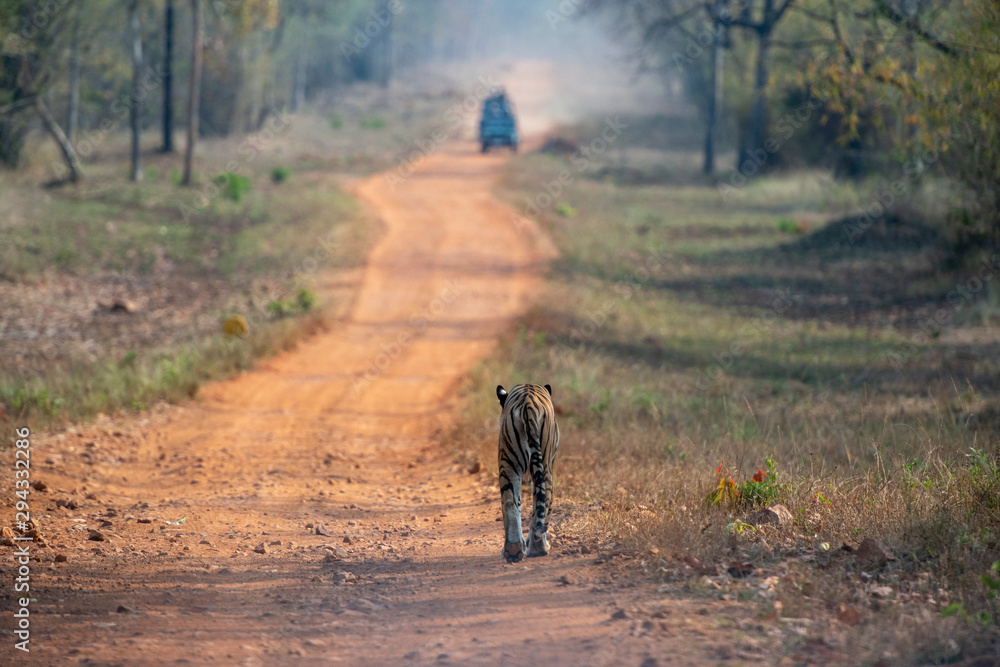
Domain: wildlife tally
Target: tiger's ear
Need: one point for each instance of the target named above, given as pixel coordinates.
(549, 388)
(501, 394)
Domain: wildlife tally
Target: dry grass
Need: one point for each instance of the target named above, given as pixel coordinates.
(672, 355)
(186, 257)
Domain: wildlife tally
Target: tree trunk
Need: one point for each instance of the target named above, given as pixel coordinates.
(194, 93)
(133, 107)
(387, 49)
(168, 80)
(758, 114)
(73, 114)
(299, 81)
(715, 96)
(69, 153)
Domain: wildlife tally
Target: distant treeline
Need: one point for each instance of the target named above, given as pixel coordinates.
(864, 87)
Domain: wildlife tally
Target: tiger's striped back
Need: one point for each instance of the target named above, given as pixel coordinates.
(529, 437)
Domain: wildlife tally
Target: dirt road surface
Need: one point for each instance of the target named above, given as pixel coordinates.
(306, 513)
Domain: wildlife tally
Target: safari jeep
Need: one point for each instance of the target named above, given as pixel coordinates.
(498, 126)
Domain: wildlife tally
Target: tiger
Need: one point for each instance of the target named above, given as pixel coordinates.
(529, 437)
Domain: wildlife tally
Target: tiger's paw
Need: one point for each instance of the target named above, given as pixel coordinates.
(539, 547)
(513, 552)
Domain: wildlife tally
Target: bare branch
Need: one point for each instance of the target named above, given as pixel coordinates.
(911, 24)
(14, 106)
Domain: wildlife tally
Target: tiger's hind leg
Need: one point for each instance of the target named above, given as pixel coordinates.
(541, 475)
(510, 507)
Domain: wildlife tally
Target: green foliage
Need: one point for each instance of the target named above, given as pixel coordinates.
(25, 400)
(279, 309)
(763, 488)
(336, 122)
(786, 226)
(305, 300)
(65, 256)
(280, 174)
(565, 210)
(234, 186)
(372, 123)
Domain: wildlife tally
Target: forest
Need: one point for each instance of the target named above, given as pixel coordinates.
(260, 277)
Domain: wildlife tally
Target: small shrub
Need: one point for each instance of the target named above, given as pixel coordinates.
(336, 122)
(565, 210)
(762, 490)
(305, 300)
(759, 491)
(65, 256)
(25, 400)
(786, 226)
(279, 309)
(373, 123)
(725, 493)
(151, 174)
(234, 186)
(280, 174)
(235, 326)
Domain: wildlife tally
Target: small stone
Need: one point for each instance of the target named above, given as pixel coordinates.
(585, 550)
(60, 558)
(97, 536)
(775, 515)
(144, 520)
(872, 554)
(364, 606)
(475, 468)
(321, 530)
(740, 569)
(344, 577)
(39, 485)
(6, 532)
(262, 548)
(347, 539)
(122, 609)
(884, 592)
(849, 616)
(568, 580)
(619, 615)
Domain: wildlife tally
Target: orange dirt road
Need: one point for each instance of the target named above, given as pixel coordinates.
(304, 513)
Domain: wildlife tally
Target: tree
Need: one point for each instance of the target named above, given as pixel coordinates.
(65, 146)
(31, 59)
(168, 78)
(763, 29)
(135, 29)
(73, 113)
(659, 28)
(935, 76)
(194, 89)
(719, 7)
